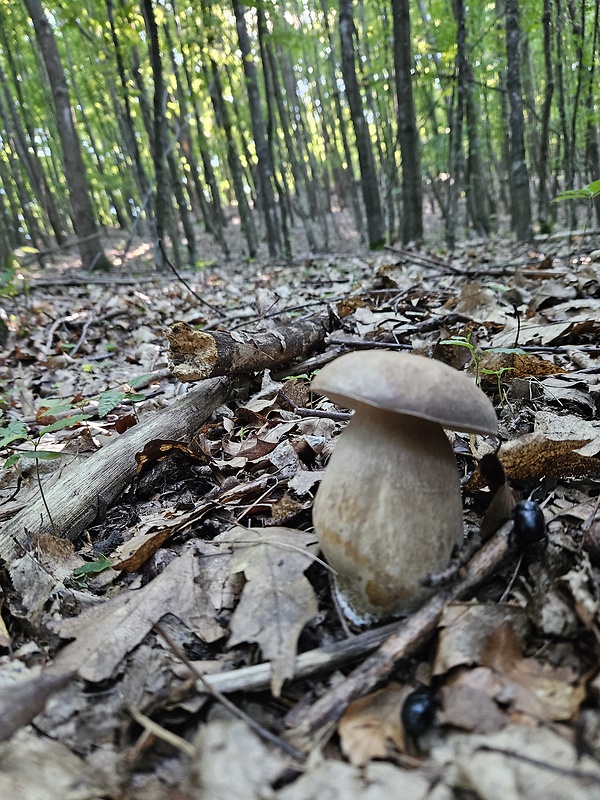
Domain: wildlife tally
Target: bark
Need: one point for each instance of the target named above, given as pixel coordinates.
(84, 223)
(521, 202)
(196, 355)
(162, 202)
(592, 140)
(456, 146)
(408, 135)
(544, 208)
(368, 174)
(83, 493)
(341, 127)
(265, 162)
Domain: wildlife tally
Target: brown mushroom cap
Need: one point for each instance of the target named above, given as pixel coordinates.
(408, 384)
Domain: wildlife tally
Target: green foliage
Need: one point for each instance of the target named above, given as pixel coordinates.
(588, 192)
(102, 563)
(476, 354)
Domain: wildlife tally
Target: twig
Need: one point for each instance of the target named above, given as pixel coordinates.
(162, 733)
(226, 702)
(410, 635)
(187, 286)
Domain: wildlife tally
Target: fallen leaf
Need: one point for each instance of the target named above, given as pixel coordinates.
(232, 763)
(277, 600)
(371, 724)
(105, 634)
(23, 700)
(534, 687)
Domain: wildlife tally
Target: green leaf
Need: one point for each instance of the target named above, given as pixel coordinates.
(133, 397)
(574, 194)
(67, 422)
(93, 567)
(109, 400)
(594, 187)
(11, 432)
(12, 460)
(141, 379)
(41, 455)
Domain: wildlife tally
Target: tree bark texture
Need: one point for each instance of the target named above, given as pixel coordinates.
(368, 173)
(521, 202)
(86, 490)
(196, 355)
(162, 202)
(408, 135)
(84, 223)
(265, 162)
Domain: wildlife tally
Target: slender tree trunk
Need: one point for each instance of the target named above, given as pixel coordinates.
(544, 207)
(456, 147)
(162, 202)
(408, 135)
(265, 162)
(84, 223)
(521, 202)
(592, 140)
(370, 189)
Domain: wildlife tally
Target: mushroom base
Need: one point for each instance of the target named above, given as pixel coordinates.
(388, 512)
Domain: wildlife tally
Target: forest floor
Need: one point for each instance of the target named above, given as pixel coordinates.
(181, 641)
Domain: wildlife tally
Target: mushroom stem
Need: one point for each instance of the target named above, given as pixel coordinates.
(388, 511)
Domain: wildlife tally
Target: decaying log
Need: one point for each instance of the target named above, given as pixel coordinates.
(410, 634)
(86, 489)
(195, 355)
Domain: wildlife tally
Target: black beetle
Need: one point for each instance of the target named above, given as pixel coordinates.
(418, 713)
(529, 525)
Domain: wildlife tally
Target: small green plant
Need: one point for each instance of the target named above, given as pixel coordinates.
(114, 397)
(588, 192)
(17, 432)
(477, 355)
(82, 573)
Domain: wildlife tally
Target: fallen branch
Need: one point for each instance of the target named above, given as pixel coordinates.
(85, 490)
(195, 355)
(408, 637)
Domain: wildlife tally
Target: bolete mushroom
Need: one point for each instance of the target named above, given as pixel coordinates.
(389, 510)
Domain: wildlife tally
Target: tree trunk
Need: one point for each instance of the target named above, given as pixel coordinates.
(408, 135)
(544, 208)
(456, 145)
(265, 162)
(84, 223)
(162, 202)
(370, 189)
(521, 202)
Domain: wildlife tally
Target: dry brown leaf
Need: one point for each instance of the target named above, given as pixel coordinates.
(277, 600)
(470, 708)
(232, 763)
(371, 724)
(32, 768)
(465, 628)
(105, 634)
(22, 700)
(533, 455)
(335, 780)
(535, 687)
(520, 762)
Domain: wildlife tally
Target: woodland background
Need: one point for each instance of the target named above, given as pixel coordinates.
(153, 116)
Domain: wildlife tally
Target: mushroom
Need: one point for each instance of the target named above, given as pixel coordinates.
(389, 510)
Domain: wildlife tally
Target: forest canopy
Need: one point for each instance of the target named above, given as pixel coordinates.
(154, 117)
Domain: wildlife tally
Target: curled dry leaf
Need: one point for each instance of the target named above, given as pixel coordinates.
(533, 687)
(371, 725)
(277, 600)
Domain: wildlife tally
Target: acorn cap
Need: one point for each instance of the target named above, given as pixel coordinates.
(408, 384)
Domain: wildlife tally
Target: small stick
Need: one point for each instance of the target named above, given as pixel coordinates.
(287, 748)
(410, 635)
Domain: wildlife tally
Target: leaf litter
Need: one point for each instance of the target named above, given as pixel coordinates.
(212, 541)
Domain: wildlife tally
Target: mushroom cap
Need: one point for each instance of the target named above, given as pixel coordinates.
(408, 384)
